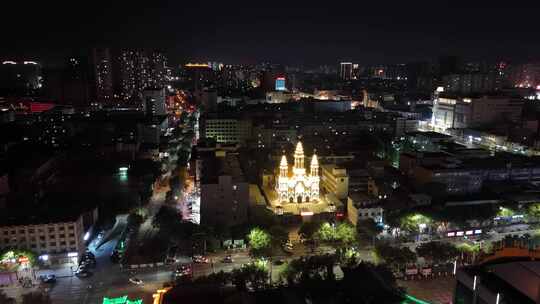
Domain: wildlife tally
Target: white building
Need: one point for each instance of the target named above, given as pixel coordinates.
(465, 112)
(56, 241)
(361, 207)
(300, 186)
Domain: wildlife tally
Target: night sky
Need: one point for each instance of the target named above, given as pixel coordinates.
(301, 33)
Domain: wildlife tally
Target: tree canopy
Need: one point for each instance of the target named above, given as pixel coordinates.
(437, 252)
(259, 242)
(395, 256)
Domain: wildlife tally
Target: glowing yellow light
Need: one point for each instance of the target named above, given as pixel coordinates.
(197, 65)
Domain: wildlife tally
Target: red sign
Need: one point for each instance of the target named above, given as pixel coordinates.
(23, 260)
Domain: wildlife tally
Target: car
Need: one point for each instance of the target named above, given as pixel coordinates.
(83, 273)
(88, 256)
(183, 270)
(199, 259)
(136, 281)
(50, 278)
(87, 264)
(227, 259)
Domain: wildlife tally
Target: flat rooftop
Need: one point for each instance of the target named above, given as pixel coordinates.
(220, 163)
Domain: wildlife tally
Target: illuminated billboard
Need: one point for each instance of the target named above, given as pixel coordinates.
(280, 84)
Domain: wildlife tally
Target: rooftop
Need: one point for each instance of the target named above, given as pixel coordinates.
(220, 163)
(52, 209)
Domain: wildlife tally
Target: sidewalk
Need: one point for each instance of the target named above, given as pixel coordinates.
(60, 271)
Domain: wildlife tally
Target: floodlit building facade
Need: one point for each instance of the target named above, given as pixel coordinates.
(299, 187)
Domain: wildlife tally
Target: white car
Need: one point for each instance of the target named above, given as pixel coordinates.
(136, 281)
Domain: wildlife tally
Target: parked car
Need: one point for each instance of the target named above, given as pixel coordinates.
(83, 273)
(50, 278)
(136, 281)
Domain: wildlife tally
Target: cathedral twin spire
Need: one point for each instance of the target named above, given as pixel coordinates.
(299, 167)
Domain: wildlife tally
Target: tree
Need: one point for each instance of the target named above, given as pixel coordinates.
(250, 275)
(326, 233)
(367, 228)
(308, 269)
(219, 278)
(134, 220)
(437, 252)
(533, 210)
(308, 229)
(378, 285)
(169, 222)
(166, 219)
(394, 256)
(342, 235)
(259, 242)
(279, 235)
(345, 234)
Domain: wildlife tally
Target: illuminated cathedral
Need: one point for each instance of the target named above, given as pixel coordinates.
(298, 187)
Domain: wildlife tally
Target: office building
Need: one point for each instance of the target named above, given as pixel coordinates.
(345, 70)
(334, 179)
(362, 207)
(224, 189)
(20, 77)
(280, 84)
(103, 71)
(57, 237)
(466, 112)
(155, 103)
(226, 129)
(123, 74)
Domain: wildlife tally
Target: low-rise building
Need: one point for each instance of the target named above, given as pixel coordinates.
(335, 180)
(361, 207)
(56, 236)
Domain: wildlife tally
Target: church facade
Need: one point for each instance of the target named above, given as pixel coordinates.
(298, 186)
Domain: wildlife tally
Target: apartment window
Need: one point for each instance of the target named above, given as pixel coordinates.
(31, 230)
(13, 232)
(6, 232)
(42, 245)
(71, 227)
(33, 246)
(6, 241)
(42, 238)
(62, 243)
(61, 228)
(52, 237)
(72, 242)
(52, 244)
(72, 235)
(51, 229)
(40, 230)
(21, 231)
